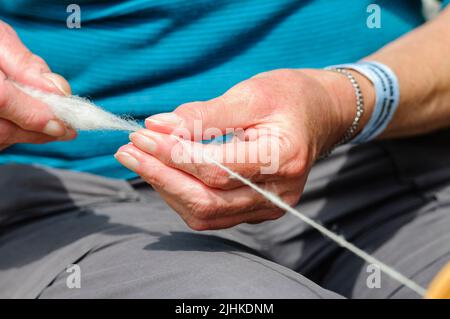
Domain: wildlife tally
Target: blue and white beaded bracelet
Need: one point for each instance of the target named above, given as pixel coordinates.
(387, 97)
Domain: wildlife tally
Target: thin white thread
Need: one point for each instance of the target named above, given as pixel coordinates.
(323, 230)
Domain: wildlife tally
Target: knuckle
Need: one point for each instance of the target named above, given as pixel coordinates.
(214, 176)
(31, 121)
(192, 110)
(24, 57)
(36, 60)
(201, 208)
(297, 162)
(295, 168)
(146, 173)
(259, 94)
(285, 73)
(291, 198)
(150, 179)
(30, 60)
(252, 91)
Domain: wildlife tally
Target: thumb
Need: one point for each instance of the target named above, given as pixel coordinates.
(217, 115)
(21, 65)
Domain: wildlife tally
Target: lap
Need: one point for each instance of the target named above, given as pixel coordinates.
(128, 244)
(183, 265)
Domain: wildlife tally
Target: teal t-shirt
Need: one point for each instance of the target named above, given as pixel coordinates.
(141, 57)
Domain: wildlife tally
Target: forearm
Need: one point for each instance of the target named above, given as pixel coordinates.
(421, 61)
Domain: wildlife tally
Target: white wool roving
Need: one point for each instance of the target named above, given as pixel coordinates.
(80, 113)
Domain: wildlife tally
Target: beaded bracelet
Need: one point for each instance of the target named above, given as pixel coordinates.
(348, 135)
(387, 97)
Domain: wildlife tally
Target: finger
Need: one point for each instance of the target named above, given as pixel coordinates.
(27, 112)
(10, 134)
(257, 160)
(22, 66)
(222, 222)
(192, 196)
(240, 107)
(247, 215)
(189, 191)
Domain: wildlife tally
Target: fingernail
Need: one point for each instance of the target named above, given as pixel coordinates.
(165, 119)
(54, 128)
(144, 142)
(57, 81)
(127, 160)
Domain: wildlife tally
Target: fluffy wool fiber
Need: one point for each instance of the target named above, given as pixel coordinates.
(80, 113)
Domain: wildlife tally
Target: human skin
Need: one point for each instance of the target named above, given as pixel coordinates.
(309, 109)
(22, 118)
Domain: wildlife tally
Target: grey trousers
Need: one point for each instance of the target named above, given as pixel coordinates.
(391, 199)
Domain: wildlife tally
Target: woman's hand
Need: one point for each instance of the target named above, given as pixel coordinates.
(22, 118)
(288, 116)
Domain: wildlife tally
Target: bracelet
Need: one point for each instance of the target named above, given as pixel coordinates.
(348, 135)
(387, 97)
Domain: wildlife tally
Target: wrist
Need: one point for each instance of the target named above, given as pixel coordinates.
(345, 104)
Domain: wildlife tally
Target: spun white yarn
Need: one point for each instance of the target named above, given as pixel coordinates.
(80, 113)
